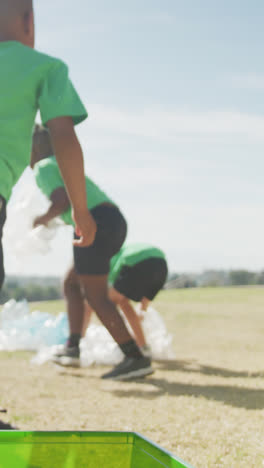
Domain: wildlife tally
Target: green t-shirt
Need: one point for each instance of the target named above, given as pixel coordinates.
(130, 255)
(48, 178)
(29, 81)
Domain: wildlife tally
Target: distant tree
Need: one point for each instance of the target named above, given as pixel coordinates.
(260, 278)
(29, 291)
(213, 278)
(18, 293)
(12, 283)
(172, 276)
(242, 277)
(4, 295)
(53, 293)
(182, 281)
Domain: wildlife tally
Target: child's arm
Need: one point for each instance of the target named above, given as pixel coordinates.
(70, 161)
(144, 304)
(59, 204)
(130, 314)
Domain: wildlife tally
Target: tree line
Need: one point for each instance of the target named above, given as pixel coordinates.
(32, 289)
(49, 288)
(214, 278)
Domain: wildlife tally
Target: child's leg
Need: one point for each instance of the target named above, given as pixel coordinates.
(92, 265)
(135, 364)
(96, 291)
(87, 317)
(76, 310)
(75, 302)
(70, 354)
(2, 222)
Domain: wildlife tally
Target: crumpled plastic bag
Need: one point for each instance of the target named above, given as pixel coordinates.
(22, 330)
(46, 333)
(97, 347)
(27, 204)
(157, 336)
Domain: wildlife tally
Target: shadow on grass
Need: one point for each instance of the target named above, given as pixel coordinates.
(192, 366)
(238, 397)
(72, 374)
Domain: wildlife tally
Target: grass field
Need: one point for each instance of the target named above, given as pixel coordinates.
(206, 406)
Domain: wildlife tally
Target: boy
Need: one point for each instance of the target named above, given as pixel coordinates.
(90, 263)
(137, 272)
(31, 81)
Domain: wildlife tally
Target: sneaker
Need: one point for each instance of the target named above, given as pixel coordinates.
(7, 427)
(130, 368)
(69, 356)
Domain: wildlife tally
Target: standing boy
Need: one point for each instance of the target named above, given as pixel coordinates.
(31, 81)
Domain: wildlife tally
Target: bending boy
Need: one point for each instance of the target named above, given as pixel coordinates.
(137, 273)
(91, 263)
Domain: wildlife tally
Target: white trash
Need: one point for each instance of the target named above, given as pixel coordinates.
(46, 333)
(157, 336)
(22, 211)
(22, 330)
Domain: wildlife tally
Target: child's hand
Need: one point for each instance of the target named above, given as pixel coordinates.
(40, 221)
(85, 228)
(144, 304)
(140, 315)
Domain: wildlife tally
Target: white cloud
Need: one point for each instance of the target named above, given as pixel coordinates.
(250, 81)
(147, 176)
(173, 126)
(229, 237)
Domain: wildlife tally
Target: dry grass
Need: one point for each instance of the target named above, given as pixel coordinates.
(207, 406)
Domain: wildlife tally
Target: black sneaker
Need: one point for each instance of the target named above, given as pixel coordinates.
(7, 427)
(130, 368)
(69, 356)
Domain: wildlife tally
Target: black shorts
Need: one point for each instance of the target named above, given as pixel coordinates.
(2, 222)
(110, 236)
(145, 279)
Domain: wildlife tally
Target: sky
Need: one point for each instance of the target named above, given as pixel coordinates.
(175, 134)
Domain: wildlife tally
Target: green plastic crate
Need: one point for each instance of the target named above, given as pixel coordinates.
(82, 450)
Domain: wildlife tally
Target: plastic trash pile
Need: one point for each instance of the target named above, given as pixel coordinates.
(45, 333)
(42, 331)
(22, 330)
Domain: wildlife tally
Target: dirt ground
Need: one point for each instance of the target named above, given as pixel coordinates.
(206, 406)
